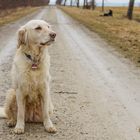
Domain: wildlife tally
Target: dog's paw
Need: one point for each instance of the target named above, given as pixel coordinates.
(51, 129)
(11, 123)
(19, 130)
(49, 126)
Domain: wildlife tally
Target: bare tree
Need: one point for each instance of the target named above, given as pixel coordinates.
(103, 4)
(65, 2)
(6, 4)
(58, 2)
(78, 3)
(93, 4)
(71, 3)
(130, 9)
(84, 4)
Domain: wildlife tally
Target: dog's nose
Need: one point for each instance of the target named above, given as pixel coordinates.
(52, 35)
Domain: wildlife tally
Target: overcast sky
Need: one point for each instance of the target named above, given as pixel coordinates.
(120, 1)
(98, 1)
(113, 0)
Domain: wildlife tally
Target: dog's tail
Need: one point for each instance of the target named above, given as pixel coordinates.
(2, 113)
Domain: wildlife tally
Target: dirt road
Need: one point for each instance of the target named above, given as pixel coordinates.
(96, 92)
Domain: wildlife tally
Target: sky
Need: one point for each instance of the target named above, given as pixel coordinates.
(116, 1)
(99, 1)
(112, 1)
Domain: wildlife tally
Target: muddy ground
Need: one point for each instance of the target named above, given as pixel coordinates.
(95, 90)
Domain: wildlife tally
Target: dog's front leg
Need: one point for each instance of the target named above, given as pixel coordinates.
(19, 129)
(51, 107)
(46, 117)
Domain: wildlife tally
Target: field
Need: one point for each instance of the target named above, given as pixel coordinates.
(120, 32)
(10, 15)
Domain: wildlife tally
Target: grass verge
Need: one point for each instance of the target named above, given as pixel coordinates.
(10, 15)
(120, 32)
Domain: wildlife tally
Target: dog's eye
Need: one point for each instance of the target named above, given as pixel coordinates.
(48, 26)
(38, 28)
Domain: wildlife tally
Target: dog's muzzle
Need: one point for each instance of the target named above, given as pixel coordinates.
(52, 39)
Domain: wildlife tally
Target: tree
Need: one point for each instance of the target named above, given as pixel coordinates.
(6, 4)
(93, 4)
(130, 9)
(71, 3)
(58, 2)
(65, 2)
(103, 3)
(84, 4)
(78, 3)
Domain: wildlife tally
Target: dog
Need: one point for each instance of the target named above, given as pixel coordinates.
(108, 13)
(29, 99)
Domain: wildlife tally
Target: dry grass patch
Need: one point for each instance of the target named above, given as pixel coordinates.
(117, 30)
(11, 15)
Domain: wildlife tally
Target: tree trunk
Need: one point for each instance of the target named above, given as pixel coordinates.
(78, 3)
(65, 2)
(103, 3)
(71, 3)
(93, 4)
(130, 9)
(84, 4)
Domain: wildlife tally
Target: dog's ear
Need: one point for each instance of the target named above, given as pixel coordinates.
(21, 37)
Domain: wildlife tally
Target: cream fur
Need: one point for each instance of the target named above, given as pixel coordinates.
(29, 98)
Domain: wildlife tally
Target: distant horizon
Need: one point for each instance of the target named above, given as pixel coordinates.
(113, 3)
(116, 4)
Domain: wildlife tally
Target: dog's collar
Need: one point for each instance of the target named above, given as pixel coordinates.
(34, 66)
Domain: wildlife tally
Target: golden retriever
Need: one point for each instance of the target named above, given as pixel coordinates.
(29, 98)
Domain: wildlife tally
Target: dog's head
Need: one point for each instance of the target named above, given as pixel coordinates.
(36, 33)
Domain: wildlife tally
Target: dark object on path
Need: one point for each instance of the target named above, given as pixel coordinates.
(109, 13)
